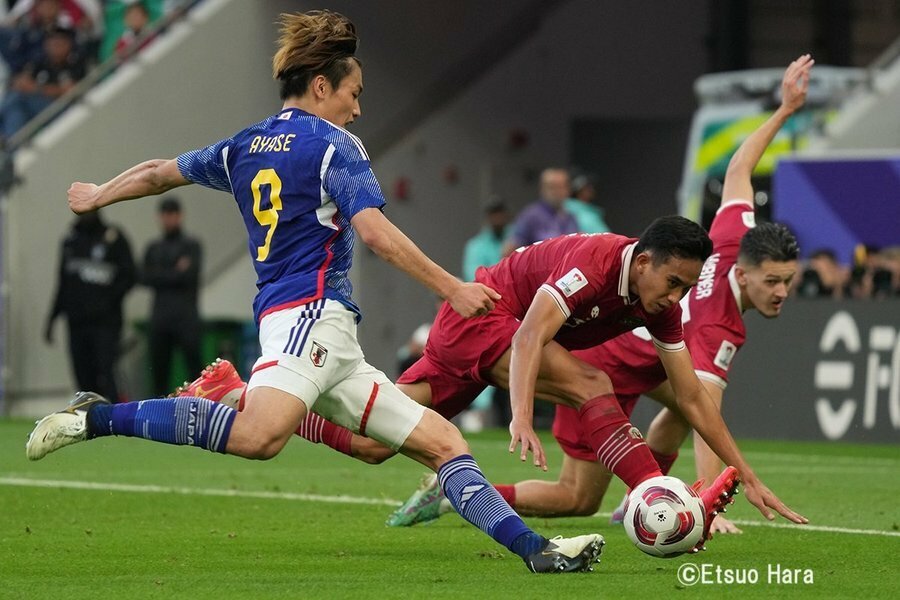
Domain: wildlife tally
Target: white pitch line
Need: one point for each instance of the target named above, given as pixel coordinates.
(342, 499)
(795, 527)
(158, 489)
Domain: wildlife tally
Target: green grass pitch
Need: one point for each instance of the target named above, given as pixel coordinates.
(172, 530)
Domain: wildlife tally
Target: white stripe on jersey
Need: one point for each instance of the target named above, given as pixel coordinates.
(356, 141)
(560, 302)
(712, 378)
(325, 213)
(668, 346)
(225, 164)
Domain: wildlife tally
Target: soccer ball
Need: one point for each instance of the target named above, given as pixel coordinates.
(664, 517)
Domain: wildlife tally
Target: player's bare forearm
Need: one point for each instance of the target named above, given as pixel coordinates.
(523, 368)
(395, 248)
(145, 179)
(794, 87)
(700, 411)
(708, 463)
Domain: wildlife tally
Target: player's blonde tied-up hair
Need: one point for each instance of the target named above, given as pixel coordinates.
(318, 42)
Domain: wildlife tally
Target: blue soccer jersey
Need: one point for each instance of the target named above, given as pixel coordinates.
(297, 180)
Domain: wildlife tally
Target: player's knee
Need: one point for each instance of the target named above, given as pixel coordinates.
(264, 446)
(584, 506)
(580, 502)
(371, 452)
(589, 383)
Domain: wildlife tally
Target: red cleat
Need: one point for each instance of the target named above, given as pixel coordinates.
(219, 382)
(716, 498)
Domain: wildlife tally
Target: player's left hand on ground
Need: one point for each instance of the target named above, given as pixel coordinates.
(722, 525)
(525, 435)
(82, 197)
(763, 499)
(473, 299)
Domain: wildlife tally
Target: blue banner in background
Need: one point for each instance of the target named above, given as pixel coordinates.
(839, 204)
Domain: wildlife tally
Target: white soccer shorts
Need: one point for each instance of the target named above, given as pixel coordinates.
(311, 352)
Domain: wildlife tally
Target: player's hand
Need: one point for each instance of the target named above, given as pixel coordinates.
(763, 499)
(473, 299)
(82, 197)
(722, 525)
(796, 83)
(522, 433)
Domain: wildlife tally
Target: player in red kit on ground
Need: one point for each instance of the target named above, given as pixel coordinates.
(751, 268)
(570, 293)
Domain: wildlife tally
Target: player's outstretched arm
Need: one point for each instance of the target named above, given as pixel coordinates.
(392, 245)
(700, 411)
(794, 86)
(145, 179)
(541, 322)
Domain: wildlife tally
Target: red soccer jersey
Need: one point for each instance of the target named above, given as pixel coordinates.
(713, 326)
(587, 276)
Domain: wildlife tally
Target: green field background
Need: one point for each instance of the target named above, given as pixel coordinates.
(57, 542)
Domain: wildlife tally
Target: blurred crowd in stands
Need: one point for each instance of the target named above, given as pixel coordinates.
(875, 273)
(48, 46)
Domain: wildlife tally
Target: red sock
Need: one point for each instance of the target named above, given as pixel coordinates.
(508, 492)
(243, 398)
(321, 431)
(618, 443)
(664, 460)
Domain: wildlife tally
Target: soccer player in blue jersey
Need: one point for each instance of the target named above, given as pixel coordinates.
(303, 185)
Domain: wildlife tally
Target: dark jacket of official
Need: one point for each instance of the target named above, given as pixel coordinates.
(95, 272)
(172, 268)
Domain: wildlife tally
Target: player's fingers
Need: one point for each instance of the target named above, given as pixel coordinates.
(491, 292)
(526, 446)
(790, 515)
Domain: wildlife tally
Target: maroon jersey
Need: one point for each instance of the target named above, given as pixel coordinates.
(713, 326)
(587, 277)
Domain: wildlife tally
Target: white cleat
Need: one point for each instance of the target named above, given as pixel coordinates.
(62, 428)
(567, 555)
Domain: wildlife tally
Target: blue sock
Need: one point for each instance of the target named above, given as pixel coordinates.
(480, 504)
(182, 421)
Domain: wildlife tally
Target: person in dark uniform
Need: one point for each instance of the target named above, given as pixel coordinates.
(172, 269)
(96, 271)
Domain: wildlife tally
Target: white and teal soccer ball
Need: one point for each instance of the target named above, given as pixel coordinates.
(664, 517)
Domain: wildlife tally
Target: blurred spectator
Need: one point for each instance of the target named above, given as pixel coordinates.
(483, 250)
(887, 276)
(866, 266)
(137, 21)
(96, 270)
(486, 248)
(115, 20)
(824, 277)
(50, 76)
(22, 36)
(172, 270)
(545, 218)
(582, 205)
(84, 17)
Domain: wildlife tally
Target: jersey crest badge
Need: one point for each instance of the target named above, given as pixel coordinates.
(749, 218)
(726, 352)
(318, 354)
(571, 282)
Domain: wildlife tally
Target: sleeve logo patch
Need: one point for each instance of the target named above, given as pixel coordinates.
(571, 282)
(749, 218)
(726, 353)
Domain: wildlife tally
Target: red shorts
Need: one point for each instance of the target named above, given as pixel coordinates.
(569, 434)
(458, 355)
